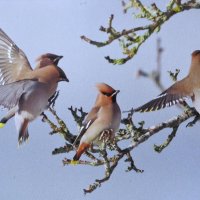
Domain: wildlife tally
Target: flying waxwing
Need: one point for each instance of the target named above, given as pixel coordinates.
(179, 91)
(24, 91)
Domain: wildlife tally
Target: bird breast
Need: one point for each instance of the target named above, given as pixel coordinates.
(108, 118)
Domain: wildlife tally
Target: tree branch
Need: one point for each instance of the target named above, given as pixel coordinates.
(174, 122)
(133, 134)
(132, 39)
(112, 153)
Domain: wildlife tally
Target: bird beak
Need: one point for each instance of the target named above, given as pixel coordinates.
(115, 93)
(64, 79)
(59, 57)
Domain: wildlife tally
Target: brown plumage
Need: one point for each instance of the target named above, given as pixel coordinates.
(179, 91)
(24, 91)
(105, 115)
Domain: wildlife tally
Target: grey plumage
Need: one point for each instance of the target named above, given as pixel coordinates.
(163, 100)
(24, 91)
(11, 93)
(188, 87)
(13, 61)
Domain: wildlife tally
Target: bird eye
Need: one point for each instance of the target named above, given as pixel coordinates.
(107, 94)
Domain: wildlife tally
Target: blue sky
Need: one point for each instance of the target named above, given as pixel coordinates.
(31, 172)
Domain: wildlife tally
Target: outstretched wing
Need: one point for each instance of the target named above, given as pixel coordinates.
(91, 117)
(13, 61)
(11, 93)
(177, 93)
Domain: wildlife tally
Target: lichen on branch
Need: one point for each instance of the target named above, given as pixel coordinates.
(130, 40)
(112, 153)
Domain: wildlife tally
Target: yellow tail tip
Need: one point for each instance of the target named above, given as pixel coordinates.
(2, 125)
(74, 162)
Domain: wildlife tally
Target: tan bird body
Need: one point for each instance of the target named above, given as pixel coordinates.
(24, 91)
(105, 115)
(187, 87)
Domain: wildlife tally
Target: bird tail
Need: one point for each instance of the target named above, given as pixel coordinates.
(3, 122)
(81, 149)
(8, 116)
(22, 128)
(23, 136)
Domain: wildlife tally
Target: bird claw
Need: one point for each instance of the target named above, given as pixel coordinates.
(106, 136)
(52, 99)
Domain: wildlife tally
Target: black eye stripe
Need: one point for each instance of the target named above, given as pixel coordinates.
(107, 94)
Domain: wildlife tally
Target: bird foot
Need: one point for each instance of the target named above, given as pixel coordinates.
(52, 99)
(106, 136)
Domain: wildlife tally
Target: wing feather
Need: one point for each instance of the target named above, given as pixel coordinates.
(11, 93)
(161, 102)
(177, 93)
(91, 117)
(13, 61)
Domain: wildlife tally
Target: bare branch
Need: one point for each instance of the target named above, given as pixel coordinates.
(133, 38)
(132, 133)
(174, 122)
(112, 152)
(155, 75)
(159, 148)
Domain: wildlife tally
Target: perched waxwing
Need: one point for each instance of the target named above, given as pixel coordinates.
(24, 91)
(105, 115)
(179, 91)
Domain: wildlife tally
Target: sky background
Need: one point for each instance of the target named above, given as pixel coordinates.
(31, 172)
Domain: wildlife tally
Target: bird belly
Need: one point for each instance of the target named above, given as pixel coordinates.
(108, 119)
(33, 104)
(34, 110)
(196, 101)
(93, 132)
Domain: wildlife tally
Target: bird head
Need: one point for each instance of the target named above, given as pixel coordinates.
(107, 91)
(196, 56)
(48, 59)
(52, 59)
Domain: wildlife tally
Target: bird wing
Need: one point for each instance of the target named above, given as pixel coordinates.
(13, 61)
(91, 117)
(11, 93)
(173, 95)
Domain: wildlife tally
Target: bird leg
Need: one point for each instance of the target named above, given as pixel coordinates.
(52, 99)
(106, 136)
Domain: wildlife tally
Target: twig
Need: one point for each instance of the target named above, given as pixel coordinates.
(155, 75)
(159, 148)
(78, 118)
(135, 134)
(174, 122)
(133, 38)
